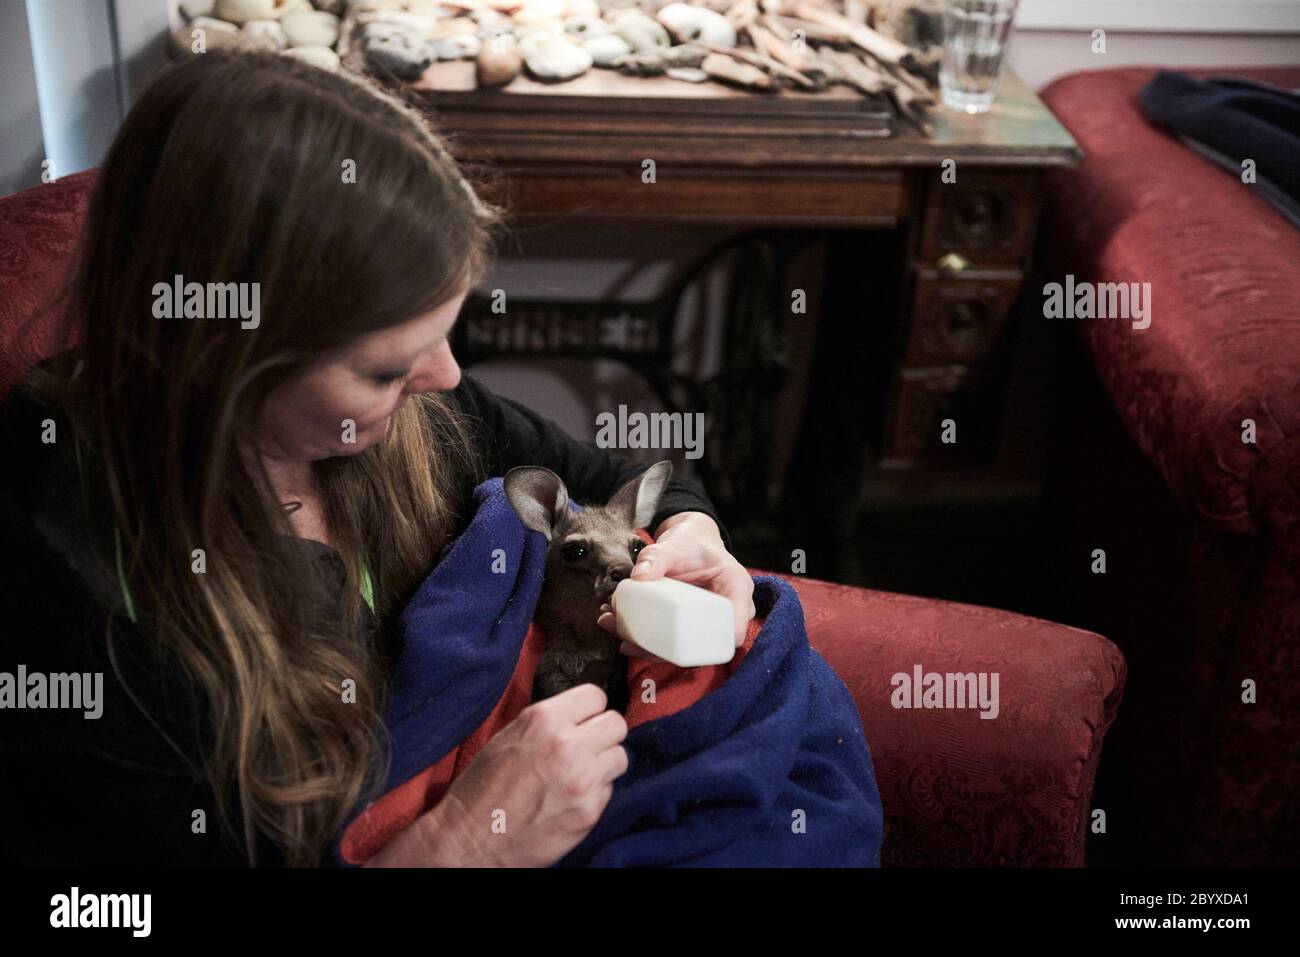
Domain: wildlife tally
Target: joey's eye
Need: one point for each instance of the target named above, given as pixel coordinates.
(636, 548)
(573, 552)
(388, 378)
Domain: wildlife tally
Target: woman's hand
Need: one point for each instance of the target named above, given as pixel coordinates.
(530, 796)
(689, 547)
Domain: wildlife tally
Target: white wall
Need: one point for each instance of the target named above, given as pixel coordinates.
(1055, 37)
(21, 145)
(1157, 16)
(77, 80)
(1040, 57)
(68, 69)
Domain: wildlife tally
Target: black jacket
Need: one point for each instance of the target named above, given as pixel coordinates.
(110, 790)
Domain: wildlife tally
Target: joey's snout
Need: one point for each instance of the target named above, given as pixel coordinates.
(607, 582)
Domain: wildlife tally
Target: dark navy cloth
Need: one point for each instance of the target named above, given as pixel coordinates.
(1231, 120)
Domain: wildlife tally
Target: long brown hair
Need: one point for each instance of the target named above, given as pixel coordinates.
(235, 168)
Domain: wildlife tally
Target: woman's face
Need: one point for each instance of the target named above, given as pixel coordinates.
(305, 417)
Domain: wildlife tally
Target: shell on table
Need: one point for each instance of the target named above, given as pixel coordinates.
(265, 34)
(422, 23)
(659, 61)
(724, 68)
(193, 9)
(641, 31)
(584, 27)
(241, 11)
(499, 60)
(213, 24)
(688, 22)
(310, 28)
(457, 46)
(690, 74)
(554, 25)
(553, 56)
(364, 9)
(323, 57)
(606, 48)
(452, 26)
(491, 19)
(533, 11)
(397, 48)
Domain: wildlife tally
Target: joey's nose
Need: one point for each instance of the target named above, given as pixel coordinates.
(612, 577)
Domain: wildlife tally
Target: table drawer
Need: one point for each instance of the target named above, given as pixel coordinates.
(962, 319)
(985, 215)
(921, 401)
(770, 198)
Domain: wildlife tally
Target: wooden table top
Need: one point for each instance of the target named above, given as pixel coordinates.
(605, 116)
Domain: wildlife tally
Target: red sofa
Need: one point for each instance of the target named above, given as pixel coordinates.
(1202, 529)
(957, 789)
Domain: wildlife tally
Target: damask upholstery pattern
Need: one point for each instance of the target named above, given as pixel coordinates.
(958, 789)
(1224, 341)
(38, 231)
(1223, 346)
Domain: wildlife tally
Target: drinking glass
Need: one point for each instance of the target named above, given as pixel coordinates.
(975, 37)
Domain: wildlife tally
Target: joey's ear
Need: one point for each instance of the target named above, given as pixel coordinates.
(538, 497)
(638, 500)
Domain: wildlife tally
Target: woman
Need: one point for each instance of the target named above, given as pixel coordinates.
(225, 514)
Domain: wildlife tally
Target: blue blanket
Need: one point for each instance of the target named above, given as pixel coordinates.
(772, 768)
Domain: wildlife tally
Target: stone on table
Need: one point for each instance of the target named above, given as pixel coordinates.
(688, 22)
(606, 48)
(641, 31)
(553, 56)
(396, 48)
(319, 56)
(310, 28)
(265, 35)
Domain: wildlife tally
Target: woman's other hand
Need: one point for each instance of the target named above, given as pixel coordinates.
(530, 796)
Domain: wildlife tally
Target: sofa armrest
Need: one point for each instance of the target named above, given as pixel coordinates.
(1223, 344)
(38, 233)
(959, 789)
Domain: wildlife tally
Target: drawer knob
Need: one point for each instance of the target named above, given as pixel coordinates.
(952, 264)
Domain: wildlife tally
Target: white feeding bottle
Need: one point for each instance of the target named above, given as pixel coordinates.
(681, 623)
